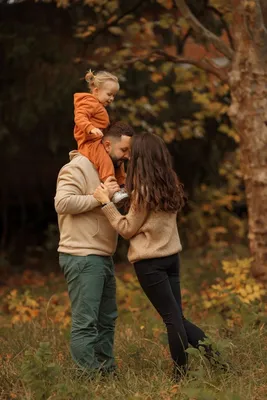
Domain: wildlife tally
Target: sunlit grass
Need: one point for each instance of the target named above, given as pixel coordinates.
(144, 365)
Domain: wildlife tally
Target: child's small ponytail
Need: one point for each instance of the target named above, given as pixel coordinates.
(90, 77)
(98, 79)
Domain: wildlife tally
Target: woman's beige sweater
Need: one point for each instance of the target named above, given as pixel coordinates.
(151, 234)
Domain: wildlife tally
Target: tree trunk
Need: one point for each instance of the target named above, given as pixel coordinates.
(248, 112)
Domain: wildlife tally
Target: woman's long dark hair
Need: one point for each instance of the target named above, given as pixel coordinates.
(150, 177)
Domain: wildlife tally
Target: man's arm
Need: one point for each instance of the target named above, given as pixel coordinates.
(70, 197)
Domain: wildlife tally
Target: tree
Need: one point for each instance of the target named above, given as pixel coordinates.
(245, 72)
(244, 55)
(247, 79)
(146, 43)
(39, 82)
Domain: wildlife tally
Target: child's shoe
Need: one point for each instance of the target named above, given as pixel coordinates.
(119, 196)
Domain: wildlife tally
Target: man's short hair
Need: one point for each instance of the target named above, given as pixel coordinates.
(118, 129)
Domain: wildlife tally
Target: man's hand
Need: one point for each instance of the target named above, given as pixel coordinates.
(101, 194)
(112, 186)
(96, 132)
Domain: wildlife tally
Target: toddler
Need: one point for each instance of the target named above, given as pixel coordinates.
(90, 117)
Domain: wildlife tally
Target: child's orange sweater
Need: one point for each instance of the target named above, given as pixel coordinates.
(89, 113)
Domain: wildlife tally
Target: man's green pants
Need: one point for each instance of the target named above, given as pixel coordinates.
(92, 291)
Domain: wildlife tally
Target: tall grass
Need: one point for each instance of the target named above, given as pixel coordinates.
(35, 362)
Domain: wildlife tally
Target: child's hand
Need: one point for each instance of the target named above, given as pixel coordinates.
(97, 132)
(112, 185)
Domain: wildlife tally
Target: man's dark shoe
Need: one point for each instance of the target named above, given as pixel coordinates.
(109, 373)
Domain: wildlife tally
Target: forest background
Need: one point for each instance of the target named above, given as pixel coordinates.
(177, 63)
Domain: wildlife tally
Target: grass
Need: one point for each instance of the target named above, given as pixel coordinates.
(36, 364)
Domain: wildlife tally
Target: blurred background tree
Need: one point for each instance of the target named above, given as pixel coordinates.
(160, 61)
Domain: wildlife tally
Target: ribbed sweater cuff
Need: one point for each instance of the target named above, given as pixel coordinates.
(111, 211)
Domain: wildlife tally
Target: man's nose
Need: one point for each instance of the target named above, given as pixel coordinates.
(127, 156)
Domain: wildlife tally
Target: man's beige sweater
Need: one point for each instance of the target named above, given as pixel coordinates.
(84, 229)
(151, 234)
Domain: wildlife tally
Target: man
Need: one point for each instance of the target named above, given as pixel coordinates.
(87, 243)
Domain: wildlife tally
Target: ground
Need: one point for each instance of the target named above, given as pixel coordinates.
(36, 364)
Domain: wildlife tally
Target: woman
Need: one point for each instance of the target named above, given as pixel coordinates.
(151, 226)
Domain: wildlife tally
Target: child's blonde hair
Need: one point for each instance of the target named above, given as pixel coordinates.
(98, 79)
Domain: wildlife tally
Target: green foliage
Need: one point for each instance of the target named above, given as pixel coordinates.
(174, 100)
(46, 370)
(66, 391)
(208, 394)
(41, 376)
(211, 217)
(150, 84)
(39, 372)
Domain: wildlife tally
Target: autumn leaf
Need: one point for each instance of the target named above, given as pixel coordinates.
(237, 284)
(166, 3)
(116, 30)
(171, 50)
(156, 77)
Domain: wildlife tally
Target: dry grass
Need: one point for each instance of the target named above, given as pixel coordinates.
(143, 359)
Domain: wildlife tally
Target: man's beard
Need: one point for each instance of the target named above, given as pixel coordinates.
(117, 163)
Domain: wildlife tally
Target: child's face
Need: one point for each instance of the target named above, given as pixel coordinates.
(106, 92)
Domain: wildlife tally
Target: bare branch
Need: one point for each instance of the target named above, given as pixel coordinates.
(204, 32)
(113, 21)
(181, 45)
(224, 24)
(204, 64)
(157, 54)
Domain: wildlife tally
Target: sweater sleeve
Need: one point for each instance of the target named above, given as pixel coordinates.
(126, 225)
(84, 109)
(70, 197)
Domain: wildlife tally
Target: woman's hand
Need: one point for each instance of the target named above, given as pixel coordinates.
(101, 194)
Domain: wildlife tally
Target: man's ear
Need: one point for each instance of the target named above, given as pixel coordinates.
(107, 145)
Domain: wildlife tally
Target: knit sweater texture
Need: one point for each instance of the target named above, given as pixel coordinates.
(151, 234)
(83, 227)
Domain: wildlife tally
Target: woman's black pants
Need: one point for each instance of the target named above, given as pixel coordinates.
(160, 280)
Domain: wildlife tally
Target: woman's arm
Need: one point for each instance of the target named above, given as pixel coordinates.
(126, 225)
